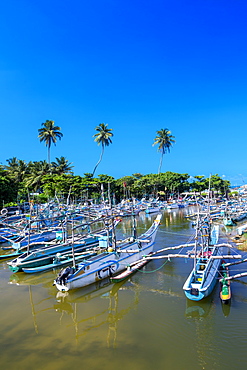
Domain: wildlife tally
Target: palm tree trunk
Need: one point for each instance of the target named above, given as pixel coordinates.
(161, 160)
(49, 155)
(49, 158)
(100, 159)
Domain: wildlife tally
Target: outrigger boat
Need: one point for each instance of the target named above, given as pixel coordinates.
(62, 260)
(207, 255)
(110, 262)
(44, 255)
(204, 274)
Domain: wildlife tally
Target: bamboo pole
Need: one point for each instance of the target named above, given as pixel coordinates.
(235, 263)
(235, 276)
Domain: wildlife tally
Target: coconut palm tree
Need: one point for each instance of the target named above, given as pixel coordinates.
(61, 166)
(103, 138)
(37, 171)
(49, 133)
(12, 165)
(164, 139)
(17, 169)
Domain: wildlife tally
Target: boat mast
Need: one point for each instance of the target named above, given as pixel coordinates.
(208, 220)
(73, 250)
(196, 238)
(134, 222)
(29, 224)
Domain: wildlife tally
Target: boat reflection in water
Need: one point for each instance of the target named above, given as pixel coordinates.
(45, 278)
(198, 309)
(202, 316)
(99, 315)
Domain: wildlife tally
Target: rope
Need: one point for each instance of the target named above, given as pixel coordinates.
(149, 272)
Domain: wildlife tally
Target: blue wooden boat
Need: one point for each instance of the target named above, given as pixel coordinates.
(202, 279)
(8, 234)
(59, 261)
(22, 242)
(44, 255)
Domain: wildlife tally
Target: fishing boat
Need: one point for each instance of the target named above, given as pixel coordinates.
(207, 259)
(153, 207)
(61, 260)
(239, 216)
(108, 263)
(44, 255)
(22, 242)
(8, 234)
(225, 292)
(172, 205)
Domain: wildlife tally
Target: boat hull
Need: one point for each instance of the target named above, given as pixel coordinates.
(108, 263)
(45, 256)
(198, 287)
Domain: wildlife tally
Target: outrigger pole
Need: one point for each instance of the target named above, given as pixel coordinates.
(242, 274)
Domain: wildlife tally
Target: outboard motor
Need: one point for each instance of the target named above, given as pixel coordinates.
(63, 274)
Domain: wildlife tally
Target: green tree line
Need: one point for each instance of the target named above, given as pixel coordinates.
(46, 180)
(19, 179)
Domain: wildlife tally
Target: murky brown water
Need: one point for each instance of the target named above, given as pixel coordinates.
(143, 323)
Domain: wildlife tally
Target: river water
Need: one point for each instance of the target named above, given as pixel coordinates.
(143, 323)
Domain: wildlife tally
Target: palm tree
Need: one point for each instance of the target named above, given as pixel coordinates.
(165, 140)
(49, 134)
(12, 166)
(37, 171)
(61, 166)
(17, 168)
(103, 138)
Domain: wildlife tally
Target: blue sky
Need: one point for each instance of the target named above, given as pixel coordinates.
(138, 66)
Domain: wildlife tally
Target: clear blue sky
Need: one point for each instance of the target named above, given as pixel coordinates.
(138, 66)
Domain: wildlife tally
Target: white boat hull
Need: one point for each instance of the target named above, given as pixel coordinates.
(107, 264)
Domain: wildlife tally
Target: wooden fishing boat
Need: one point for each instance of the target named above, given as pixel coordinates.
(130, 270)
(23, 241)
(203, 277)
(45, 255)
(239, 217)
(8, 234)
(225, 292)
(61, 260)
(108, 263)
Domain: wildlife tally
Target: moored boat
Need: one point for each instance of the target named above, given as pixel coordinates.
(45, 255)
(202, 279)
(61, 260)
(109, 263)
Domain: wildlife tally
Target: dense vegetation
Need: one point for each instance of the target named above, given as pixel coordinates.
(19, 179)
(44, 180)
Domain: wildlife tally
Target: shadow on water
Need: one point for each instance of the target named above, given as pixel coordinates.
(44, 279)
(116, 307)
(198, 309)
